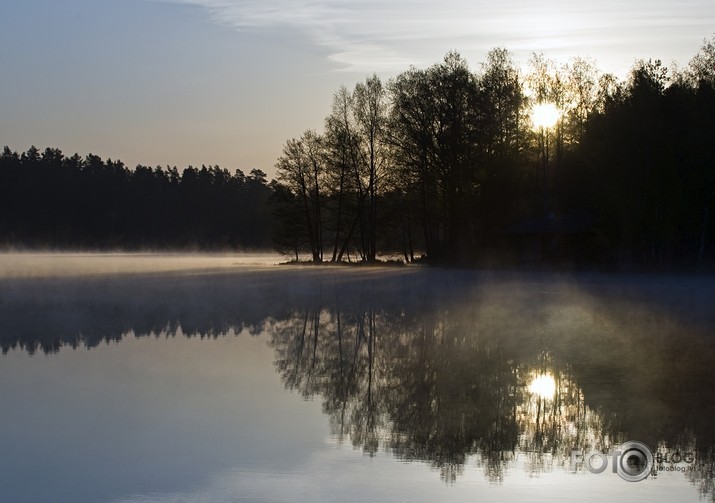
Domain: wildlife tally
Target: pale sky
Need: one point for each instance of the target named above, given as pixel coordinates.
(179, 82)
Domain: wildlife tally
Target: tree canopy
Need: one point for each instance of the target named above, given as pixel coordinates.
(50, 200)
(449, 163)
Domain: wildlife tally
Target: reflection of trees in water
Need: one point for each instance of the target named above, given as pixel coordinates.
(429, 365)
(451, 385)
(48, 313)
(703, 474)
(699, 470)
(426, 387)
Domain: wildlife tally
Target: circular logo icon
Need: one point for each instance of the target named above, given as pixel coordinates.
(635, 461)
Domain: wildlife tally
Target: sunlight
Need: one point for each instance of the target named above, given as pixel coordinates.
(544, 386)
(545, 115)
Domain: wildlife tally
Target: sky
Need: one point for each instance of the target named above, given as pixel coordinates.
(192, 82)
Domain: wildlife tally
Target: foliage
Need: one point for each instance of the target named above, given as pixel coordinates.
(50, 200)
(446, 162)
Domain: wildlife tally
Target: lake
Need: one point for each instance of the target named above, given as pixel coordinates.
(220, 378)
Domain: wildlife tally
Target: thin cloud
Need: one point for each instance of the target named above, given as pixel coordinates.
(390, 35)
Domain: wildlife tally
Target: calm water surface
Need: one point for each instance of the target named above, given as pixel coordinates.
(217, 379)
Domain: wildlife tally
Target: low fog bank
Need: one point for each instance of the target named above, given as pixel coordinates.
(51, 301)
(65, 264)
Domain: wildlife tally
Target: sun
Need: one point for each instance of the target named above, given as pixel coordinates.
(543, 385)
(545, 115)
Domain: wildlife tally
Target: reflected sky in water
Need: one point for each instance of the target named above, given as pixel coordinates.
(304, 384)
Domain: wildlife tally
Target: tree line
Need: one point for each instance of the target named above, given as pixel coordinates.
(442, 163)
(451, 164)
(50, 200)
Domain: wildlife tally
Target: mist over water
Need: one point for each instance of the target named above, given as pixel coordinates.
(223, 378)
(31, 264)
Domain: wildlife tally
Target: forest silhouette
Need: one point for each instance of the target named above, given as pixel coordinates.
(443, 164)
(450, 163)
(50, 200)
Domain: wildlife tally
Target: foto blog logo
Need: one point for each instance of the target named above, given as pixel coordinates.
(632, 460)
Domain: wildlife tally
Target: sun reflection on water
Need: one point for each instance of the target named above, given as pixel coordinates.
(543, 385)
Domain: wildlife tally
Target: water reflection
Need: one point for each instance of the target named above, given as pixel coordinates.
(500, 375)
(444, 367)
(543, 385)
